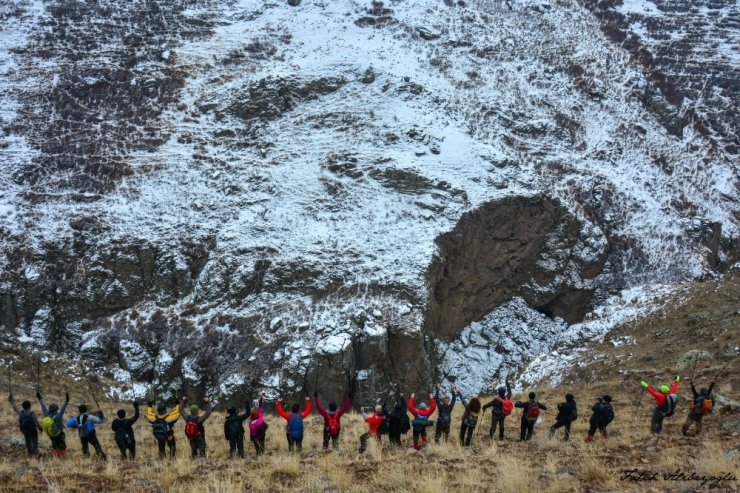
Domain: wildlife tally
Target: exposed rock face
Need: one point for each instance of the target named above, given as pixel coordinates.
(527, 247)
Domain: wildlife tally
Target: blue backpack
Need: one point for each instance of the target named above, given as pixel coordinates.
(295, 426)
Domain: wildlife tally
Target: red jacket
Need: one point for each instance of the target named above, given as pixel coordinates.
(660, 396)
(418, 412)
(337, 414)
(286, 415)
(374, 420)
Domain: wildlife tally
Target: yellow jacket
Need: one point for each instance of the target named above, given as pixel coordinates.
(170, 417)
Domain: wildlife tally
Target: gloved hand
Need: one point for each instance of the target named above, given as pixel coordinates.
(644, 384)
(308, 398)
(678, 378)
(38, 395)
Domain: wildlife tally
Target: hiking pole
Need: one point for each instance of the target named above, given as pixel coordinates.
(637, 413)
(723, 368)
(10, 383)
(38, 374)
(92, 393)
(696, 358)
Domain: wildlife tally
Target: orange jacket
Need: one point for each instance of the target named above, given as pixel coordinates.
(282, 412)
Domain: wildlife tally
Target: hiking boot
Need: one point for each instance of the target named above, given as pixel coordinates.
(605, 435)
(590, 438)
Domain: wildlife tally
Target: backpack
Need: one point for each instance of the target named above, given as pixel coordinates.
(84, 428)
(707, 405)
(670, 405)
(573, 415)
(334, 425)
(192, 430)
(25, 421)
(533, 412)
(160, 428)
(49, 427)
(295, 426)
(506, 406)
(123, 437)
(420, 423)
(470, 419)
(233, 428)
(608, 413)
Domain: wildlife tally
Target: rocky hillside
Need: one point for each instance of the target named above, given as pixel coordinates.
(300, 187)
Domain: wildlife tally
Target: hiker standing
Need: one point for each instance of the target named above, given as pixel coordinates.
(567, 414)
(234, 429)
(398, 422)
(665, 403)
(603, 414)
(294, 430)
(473, 409)
(85, 423)
(421, 420)
(700, 407)
(374, 421)
(163, 424)
(529, 416)
(444, 414)
(29, 424)
(123, 432)
(53, 424)
(501, 407)
(332, 417)
(194, 429)
(258, 427)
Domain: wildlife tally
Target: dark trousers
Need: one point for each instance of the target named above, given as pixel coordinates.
(32, 442)
(294, 443)
(163, 442)
(259, 445)
(92, 439)
(59, 445)
(497, 421)
(656, 423)
(595, 423)
(328, 437)
(692, 418)
(236, 444)
(561, 424)
(420, 433)
(395, 440)
(198, 446)
(527, 429)
(466, 434)
(442, 430)
(364, 438)
(130, 447)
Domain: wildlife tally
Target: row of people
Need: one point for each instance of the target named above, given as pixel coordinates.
(380, 422)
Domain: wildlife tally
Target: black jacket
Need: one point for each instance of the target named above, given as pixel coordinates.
(567, 412)
(234, 425)
(397, 418)
(126, 425)
(525, 406)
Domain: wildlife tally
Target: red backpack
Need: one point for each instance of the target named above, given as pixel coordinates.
(192, 430)
(507, 406)
(533, 412)
(333, 425)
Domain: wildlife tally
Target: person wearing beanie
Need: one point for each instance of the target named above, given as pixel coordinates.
(234, 429)
(602, 415)
(701, 405)
(501, 407)
(294, 429)
(332, 416)
(194, 429)
(421, 420)
(85, 424)
(529, 416)
(53, 424)
(123, 432)
(444, 414)
(163, 423)
(665, 403)
(258, 427)
(29, 424)
(374, 421)
(567, 414)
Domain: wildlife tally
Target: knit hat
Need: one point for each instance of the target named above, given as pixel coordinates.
(53, 408)
(422, 406)
(665, 389)
(502, 391)
(161, 408)
(194, 409)
(231, 410)
(121, 413)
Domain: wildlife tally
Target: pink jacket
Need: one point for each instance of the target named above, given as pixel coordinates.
(256, 424)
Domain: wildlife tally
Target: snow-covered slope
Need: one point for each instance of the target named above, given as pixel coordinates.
(266, 182)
